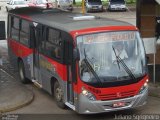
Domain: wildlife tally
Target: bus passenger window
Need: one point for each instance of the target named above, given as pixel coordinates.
(57, 52)
(53, 51)
(53, 44)
(24, 32)
(54, 37)
(15, 29)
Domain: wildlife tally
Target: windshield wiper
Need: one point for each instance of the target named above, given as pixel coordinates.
(91, 69)
(119, 60)
(116, 57)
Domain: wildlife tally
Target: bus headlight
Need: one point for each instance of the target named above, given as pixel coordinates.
(145, 85)
(87, 94)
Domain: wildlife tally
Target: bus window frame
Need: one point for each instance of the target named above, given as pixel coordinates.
(10, 27)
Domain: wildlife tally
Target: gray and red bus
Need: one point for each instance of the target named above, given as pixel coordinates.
(88, 63)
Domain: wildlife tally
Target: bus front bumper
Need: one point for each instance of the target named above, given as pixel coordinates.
(87, 106)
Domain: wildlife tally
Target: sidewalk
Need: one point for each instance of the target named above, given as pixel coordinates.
(154, 90)
(13, 94)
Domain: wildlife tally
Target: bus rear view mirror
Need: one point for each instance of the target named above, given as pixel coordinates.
(2, 30)
(76, 54)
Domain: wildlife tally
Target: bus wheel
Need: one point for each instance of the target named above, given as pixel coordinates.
(58, 95)
(21, 71)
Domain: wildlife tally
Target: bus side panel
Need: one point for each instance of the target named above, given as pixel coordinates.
(51, 69)
(17, 50)
(12, 57)
(28, 63)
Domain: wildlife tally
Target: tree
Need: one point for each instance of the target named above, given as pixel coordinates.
(74, 2)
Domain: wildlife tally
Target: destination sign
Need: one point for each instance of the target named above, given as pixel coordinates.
(110, 36)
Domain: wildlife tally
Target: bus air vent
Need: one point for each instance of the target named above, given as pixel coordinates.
(84, 18)
(118, 95)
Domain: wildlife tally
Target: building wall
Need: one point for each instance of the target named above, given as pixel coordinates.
(148, 20)
(147, 11)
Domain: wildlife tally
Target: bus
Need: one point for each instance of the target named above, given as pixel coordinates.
(88, 63)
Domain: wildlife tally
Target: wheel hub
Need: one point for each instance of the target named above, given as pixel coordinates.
(21, 73)
(59, 94)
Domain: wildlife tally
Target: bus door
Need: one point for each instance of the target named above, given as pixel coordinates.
(71, 96)
(36, 33)
(70, 92)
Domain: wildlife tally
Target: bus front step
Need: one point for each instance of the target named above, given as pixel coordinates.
(70, 105)
(36, 83)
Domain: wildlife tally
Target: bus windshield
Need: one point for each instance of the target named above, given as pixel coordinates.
(114, 56)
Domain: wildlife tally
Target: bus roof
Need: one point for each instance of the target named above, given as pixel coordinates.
(64, 20)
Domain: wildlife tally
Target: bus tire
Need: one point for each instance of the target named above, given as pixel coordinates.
(21, 71)
(58, 95)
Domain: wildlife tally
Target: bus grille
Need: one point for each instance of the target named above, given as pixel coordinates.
(118, 95)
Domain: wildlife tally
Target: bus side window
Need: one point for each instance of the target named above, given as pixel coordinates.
(24, 32)
(53, 44)
(15, 24)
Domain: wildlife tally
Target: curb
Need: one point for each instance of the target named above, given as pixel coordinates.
(15, 107)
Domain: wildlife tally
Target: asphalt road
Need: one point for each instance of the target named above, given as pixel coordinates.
(43, 103)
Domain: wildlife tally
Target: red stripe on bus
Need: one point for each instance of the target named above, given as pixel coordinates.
(101, 29)
(112, 92)
(18, 49)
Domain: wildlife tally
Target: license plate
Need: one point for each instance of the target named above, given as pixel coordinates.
(95, 7)
(119, 104)
(118, 8)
